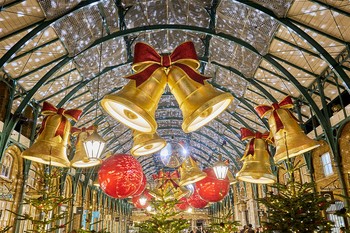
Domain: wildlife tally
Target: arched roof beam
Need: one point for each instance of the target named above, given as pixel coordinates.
(332, 8)
(41, 26)
(213, 130)
(198, 133)
(289, 24)
(43, 80)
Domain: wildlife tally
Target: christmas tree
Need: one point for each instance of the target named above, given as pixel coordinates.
(295, 207)
(224, 223)
(164, 215)
(47, 200)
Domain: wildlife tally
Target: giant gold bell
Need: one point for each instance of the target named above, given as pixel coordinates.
(168, 192)
(145, 144)
(290, 137)
(257, 167)
(199, 103)
(80, 159)
(190, 172)
(231, 178)
(48, 148)
(135, 106)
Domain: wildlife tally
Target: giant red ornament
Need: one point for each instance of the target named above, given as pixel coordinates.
(210, 188)
(196, 201)
(136, 200)
(120, 176)
(142, 187)
(183, 204)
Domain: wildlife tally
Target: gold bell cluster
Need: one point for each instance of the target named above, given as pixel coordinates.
(136, 103)
(53, 140)
(285, 134)
(167, 187)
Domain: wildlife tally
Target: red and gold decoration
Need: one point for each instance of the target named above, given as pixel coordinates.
(142, 186)
(167, 186)
(196, 201)
(136, 103)
(146, 144)
(139, 202)
(80, 159)
(183, 204)
(198, 100)
(120, 176)
(256, 159)
(212, 189)
(190, 172)
(289, 138)
(51, 145)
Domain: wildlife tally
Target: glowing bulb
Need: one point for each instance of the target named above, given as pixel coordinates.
(149, 208)
(143, 200)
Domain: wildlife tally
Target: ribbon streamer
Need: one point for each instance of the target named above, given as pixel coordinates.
(147, 61)
(248, 134)
(49, 110)
(285, 104)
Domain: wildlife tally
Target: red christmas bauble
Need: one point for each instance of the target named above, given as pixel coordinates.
(120, 176)
(183, 204)
(136, 200)
(211, 189)
(142, 187)
(196, 201)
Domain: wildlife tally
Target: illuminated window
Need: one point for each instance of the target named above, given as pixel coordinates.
(327, 164)
(305, 175)
(6, 166)
(31, 176)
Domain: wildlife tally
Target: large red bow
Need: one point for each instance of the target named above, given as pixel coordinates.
(50, 110)
(147, 61)
(75, 131)
(286, 104)
(166, 177)
(248, 134)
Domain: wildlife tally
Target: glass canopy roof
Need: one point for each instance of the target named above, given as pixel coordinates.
(72, 53)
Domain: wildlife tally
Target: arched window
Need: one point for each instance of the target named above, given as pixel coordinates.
(31, 176)
(6, 166)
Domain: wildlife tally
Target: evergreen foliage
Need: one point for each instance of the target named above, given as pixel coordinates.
(296, 207)
(47, 200)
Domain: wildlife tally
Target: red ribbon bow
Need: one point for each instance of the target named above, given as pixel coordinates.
(248, 134)
(286, 104)
(50, 110)
(167, 177)
(75, 131)
(147, 61)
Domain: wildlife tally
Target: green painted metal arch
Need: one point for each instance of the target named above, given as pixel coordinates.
(332, 63)
(42, 26)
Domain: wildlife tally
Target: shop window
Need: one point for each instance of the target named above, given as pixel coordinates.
(31, 176)
(305, 175)
(335, 218)
(6, 166)
(327, 164)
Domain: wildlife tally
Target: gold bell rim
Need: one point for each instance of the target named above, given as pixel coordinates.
(83, 164)
(193, 123)
(264, 179)
(116, 106)
(194, 179)
(157, 144)
(50, 161)
(294, 152)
